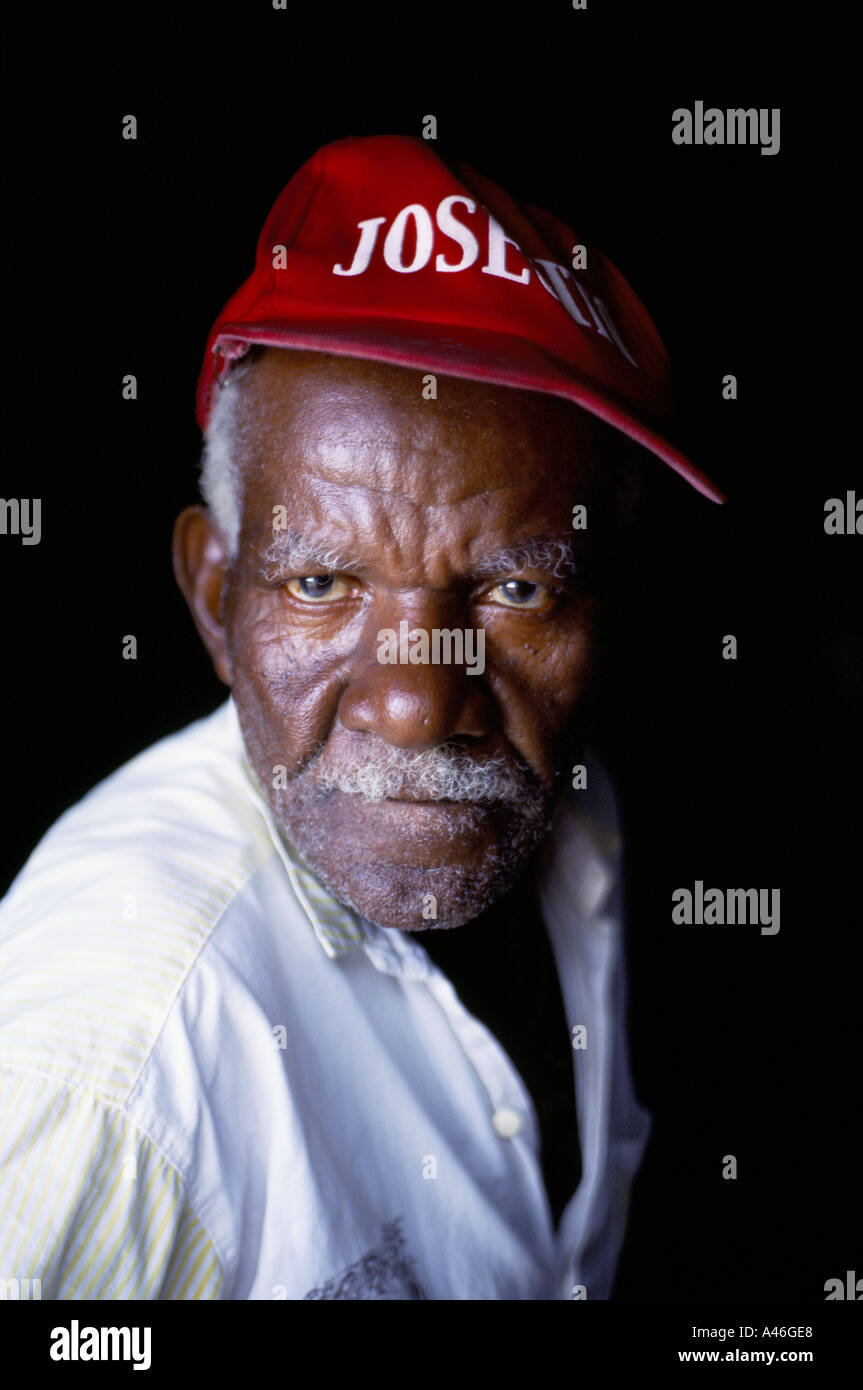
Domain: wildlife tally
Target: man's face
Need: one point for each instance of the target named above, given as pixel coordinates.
(399, 780)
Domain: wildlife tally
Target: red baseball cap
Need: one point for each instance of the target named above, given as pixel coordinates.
(379, 249)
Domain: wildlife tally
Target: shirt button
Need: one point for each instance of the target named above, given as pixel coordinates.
(507, 1123)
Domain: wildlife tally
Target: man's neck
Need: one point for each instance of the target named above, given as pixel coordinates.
(493, 940)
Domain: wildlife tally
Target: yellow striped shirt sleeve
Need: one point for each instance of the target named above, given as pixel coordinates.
(89, 1205)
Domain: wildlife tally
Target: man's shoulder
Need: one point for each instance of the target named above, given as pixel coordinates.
(108, 916)
(179, 811)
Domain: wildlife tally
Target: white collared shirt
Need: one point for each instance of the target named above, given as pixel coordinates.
(217, 1082)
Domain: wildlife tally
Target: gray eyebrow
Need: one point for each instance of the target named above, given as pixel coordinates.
(550, 553)
(290, 552)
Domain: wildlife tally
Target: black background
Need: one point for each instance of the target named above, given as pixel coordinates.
(119, 256)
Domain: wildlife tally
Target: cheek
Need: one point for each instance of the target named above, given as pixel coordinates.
(287, 678)
(539, 682)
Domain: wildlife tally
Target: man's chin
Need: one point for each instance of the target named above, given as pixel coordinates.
(414, 866)
(413, 899)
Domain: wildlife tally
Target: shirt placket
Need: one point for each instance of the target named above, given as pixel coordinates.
(511, 1113)
(588, 984)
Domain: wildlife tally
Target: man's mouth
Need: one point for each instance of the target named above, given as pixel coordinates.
(411, 799)
(437, 801)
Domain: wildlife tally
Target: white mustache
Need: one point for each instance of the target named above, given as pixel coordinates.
(435, 774)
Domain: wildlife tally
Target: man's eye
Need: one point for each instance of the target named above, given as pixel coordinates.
(318, 587)
(520, 593)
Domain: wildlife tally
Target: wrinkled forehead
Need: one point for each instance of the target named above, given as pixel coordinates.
(353, 420)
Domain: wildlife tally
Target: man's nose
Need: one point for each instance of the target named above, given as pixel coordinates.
(416, 706)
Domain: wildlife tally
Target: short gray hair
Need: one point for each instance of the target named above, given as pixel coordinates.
(220, 482)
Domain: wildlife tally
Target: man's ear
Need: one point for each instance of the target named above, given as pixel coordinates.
(200, 561)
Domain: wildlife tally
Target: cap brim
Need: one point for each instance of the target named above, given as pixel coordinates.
(498, 358)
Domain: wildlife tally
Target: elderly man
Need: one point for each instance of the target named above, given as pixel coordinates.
(323, 997)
